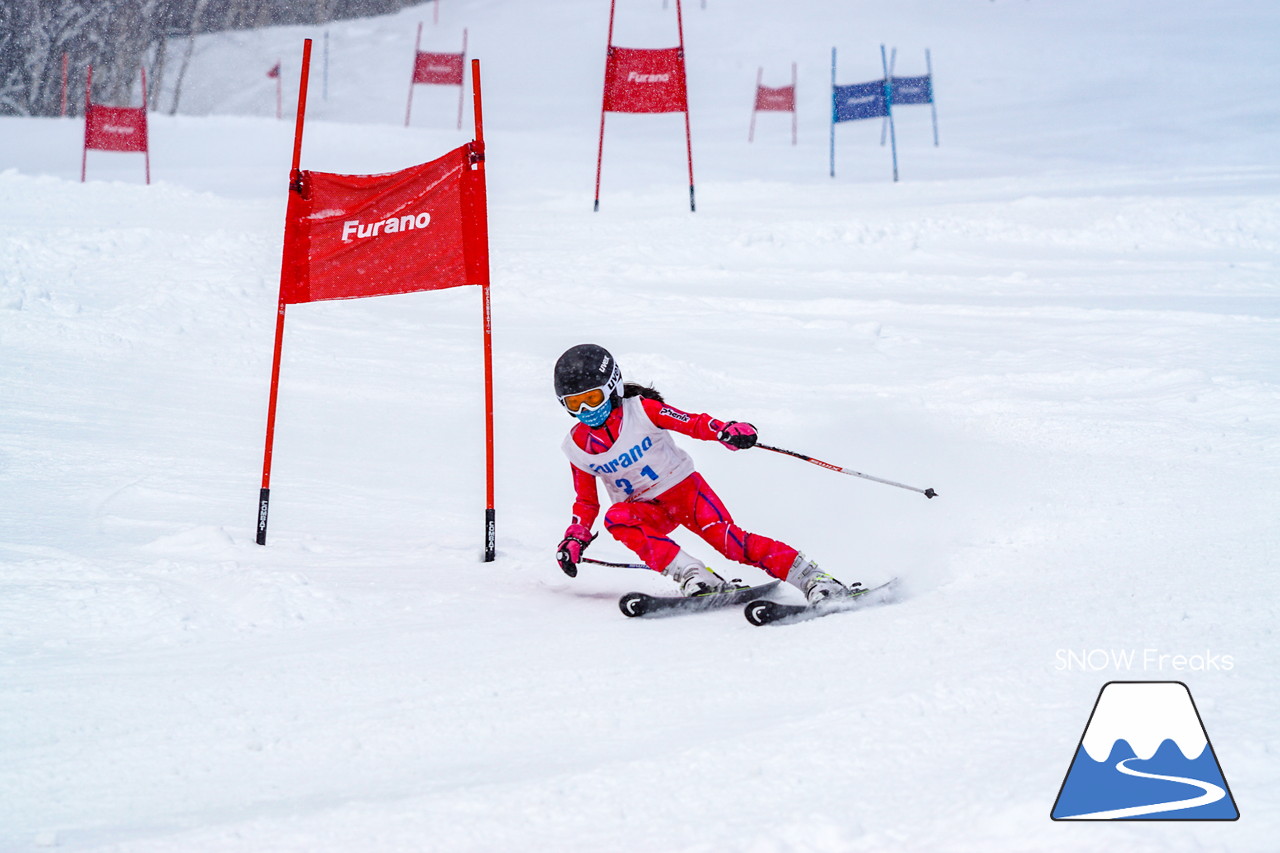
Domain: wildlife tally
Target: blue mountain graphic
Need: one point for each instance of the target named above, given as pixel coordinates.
(1096, 786)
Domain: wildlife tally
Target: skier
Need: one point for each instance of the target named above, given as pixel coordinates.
(623, 438)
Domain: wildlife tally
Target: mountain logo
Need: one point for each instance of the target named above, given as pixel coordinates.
(1144, 755)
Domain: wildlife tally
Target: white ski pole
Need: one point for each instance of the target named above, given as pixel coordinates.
(928, 493)
(615, 565)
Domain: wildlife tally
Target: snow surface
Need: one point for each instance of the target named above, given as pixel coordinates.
(1064, 319)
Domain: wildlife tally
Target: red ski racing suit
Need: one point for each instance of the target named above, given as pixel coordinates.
(655, 488)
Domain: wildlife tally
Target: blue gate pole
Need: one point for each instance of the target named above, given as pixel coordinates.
(833, 112)
(933, 108)
(884, 123)
(888, 108)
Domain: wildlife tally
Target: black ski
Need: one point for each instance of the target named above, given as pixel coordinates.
(643, 604)
(765, 612)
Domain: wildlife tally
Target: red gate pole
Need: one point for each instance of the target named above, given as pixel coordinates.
(462, 86)
(795, 98)
(64, 85)
(295, 186)
(603, 98)
(88, 89)
(490, 530)
(688, 136)
(751, 134)
(146, 133)
(417, 45)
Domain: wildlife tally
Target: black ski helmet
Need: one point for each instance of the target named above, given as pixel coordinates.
(584, 367)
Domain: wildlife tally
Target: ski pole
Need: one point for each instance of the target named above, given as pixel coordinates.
(615, 565)
(928, 493)
(608, 563)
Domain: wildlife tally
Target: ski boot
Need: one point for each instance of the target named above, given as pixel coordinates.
(816, 584)
(694, 577)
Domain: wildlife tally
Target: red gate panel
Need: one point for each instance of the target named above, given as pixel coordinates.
(645, 80)
(640, 80)
(776, 100)
(115, 128)
(443, 69)
(349, 236)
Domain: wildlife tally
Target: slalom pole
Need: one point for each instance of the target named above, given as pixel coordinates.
(88, 104)
(688, 134)
(928, 493)
(884, 123)
(65, 60)
(603, 100)
(417, 47)
(490, 524)
(462, 88)
(833, 112)
(599, 159)
(295, 188)
(751, 132)
(146, 134)
(794, 99)
(888, 108)
(933, 107)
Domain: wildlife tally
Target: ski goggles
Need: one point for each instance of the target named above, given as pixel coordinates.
(592, 399)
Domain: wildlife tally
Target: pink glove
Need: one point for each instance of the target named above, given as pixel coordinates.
(737, 436)
(569, 552)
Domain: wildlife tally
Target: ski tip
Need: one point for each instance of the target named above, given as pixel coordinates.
(633, 604)
(766, 612)
(757, 612)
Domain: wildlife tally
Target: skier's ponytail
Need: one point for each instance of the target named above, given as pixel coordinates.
(633, 389)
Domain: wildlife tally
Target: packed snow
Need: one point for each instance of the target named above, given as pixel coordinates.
(1064, 319)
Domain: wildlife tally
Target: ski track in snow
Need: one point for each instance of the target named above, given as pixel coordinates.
(1064, 319)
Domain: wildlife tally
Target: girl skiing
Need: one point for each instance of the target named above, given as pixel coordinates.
(623, 439)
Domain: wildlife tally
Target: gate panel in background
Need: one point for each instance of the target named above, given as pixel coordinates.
(645, 80)
(437, 69)
(114, 128)
(781, 100)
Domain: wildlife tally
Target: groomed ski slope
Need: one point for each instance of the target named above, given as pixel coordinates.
(1064, 319)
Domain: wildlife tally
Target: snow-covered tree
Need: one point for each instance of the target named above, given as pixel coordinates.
(116, 37)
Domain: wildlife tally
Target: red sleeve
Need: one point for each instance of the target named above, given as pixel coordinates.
(702, 427)
(586, 500)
